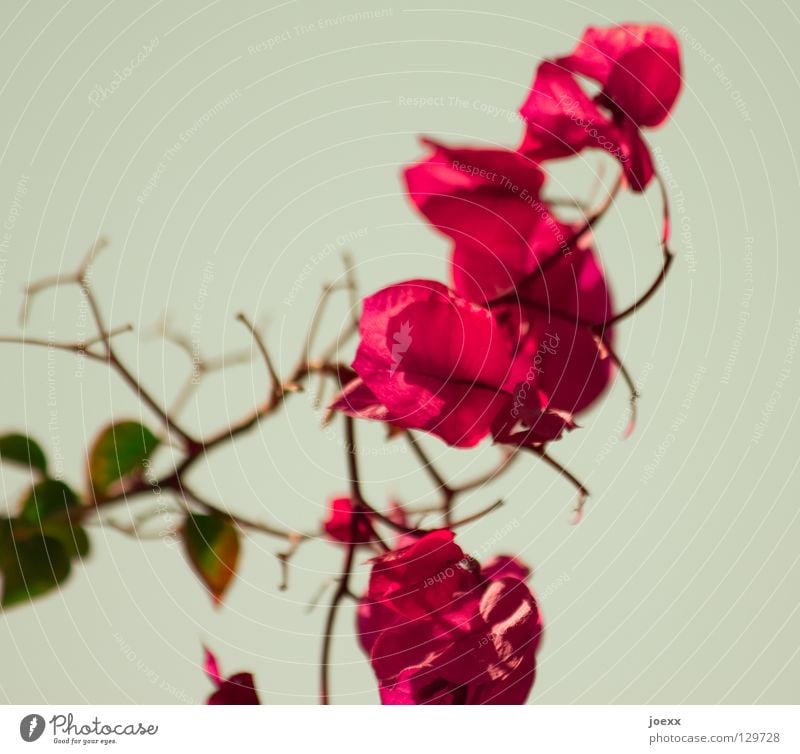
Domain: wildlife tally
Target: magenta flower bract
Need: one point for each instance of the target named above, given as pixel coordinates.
(562, 120)
(552, 314)
(639, 71)
(508, 242)
(339, 523)
(238, 689)
(441, 630)
(430, 360)
(638, 67)
(534, 349)
(486, 200)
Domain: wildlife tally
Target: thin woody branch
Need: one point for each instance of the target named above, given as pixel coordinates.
(277, 388)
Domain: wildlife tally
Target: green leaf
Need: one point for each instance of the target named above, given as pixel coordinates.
(38, 565)
(120, 450)
(22, 450)
(212, 544)
(48, 498)
(35, 558)
(73, 537)
(46, 512)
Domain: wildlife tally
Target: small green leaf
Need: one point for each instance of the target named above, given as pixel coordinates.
(120, 449)
(212, 544)
(48, 498)
(22, 450)
(38, 565)
(73, 537)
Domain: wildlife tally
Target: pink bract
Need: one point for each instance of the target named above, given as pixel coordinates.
(430, 360)
(339, 523)
(638, 67)
(238, 689)
(562, 120)
(476, 640)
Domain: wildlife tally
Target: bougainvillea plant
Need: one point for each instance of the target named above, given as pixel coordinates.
(510, 350)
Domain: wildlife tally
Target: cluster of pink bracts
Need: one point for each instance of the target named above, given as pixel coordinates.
(513, 350)
(439, 628)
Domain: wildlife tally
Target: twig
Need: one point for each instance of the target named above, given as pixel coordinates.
(568, 243)
(244, 523)
(606, 348)
(583, 492)
(666, 262)
(343, 586)
(447, 492)
(480, 514)
(509, 456)
(284, 557)
(80, 347)
(277, 387)
(104, 337)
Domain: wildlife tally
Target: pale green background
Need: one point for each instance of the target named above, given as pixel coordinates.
(681, 584)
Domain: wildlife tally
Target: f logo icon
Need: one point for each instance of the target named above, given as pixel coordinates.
(31, 727)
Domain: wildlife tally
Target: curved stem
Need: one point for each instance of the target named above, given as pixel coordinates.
(120, 368)
(480, 514)
(509, 456)
(568, 243)
(342, 591)
(244, 523)
(645, 297)
(641, 300)
(277, 387)
(448, 494)
(606, 348)
(343, 586)
(583, 492)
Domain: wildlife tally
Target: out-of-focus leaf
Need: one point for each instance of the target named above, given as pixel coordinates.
(6, 543)
(212, 544)
(35, 567)
(48, 498)
(46, 512)
(22, 450)
(119, 450)
(73, 537)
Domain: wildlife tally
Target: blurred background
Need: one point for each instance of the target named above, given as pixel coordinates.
(231, 153)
